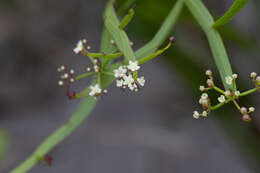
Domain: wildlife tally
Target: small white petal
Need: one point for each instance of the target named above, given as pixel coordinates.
(196, 115)
(251, 109)
(253, 74)
(133, 66)
(141, 81)
(202, 88)
(204, 96)
(229, 80)
(237, 93)
(222, 99)
(204, 113)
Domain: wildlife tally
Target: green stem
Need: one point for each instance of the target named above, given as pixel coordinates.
(127, 19)
(150, 57)
(84, 75)
(105, 56)
(219, 105)
(236, 104)
(219, 90)
(108, 73)
(235, 8)
(249, 92)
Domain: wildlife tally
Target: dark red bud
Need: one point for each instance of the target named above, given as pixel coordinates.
(48, 160)
(171, 39)
(246, 118)
(71, 94)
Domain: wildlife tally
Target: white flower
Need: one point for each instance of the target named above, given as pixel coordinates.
(94, 90)
(210, 82)
(253, 74)
(141, 81)
(234, 76)
(132, 87)
(208, 72)
(227, 93)
(251, 109)
(202, 88)
(133, 66)
(237, 93)
(120, 72)
(119, 83)
(60, 83)
(196, 115)
(79, 47)
(96, 68)
(222, 99)
(243, 110)
(128, 80)
(204, 96)
(204, 113)
(257, 79)
(229, 80)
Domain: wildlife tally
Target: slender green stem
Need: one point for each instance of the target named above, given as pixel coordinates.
(105, 56)
(249, 92)
(236, 104)
(84, 75)
(219, 90)
(127, 19)
(219, 105)
(108, 73)
(235, 8)
(150, 57)
(99, 80)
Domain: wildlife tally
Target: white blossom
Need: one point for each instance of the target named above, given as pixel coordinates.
(202, 88)
(204, 96)
(196, 115)
(243, 110)
(79, 48)
(133, 66)
(251, 109)
(229, 80)
(132, 87)
(120, 72)
(227, 93)
(60, 83)
(128, 80)
(234, 76)
(204, 113)
(237, 93)
(208, 72)
(119, 83)
(95, 90)
(253, 74)
(210, 82)
(141, 81)
(222, 99)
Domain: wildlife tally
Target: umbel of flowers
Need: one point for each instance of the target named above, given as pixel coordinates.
(226, 96)
(126, 74)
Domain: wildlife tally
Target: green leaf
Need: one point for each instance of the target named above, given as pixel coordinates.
(120, 37)
(203, 17)
(231, 13)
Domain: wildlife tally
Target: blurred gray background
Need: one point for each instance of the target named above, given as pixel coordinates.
(146, 132)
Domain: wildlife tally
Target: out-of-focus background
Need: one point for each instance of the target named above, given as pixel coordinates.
(146, 132)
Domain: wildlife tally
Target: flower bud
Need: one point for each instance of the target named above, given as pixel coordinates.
(243, 110)
(246, 118)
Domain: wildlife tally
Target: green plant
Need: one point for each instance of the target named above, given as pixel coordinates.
(115, 44)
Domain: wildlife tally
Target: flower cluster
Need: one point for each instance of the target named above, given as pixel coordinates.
(96, 67)
(67, 76)
(127, 76)
(226, 96)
